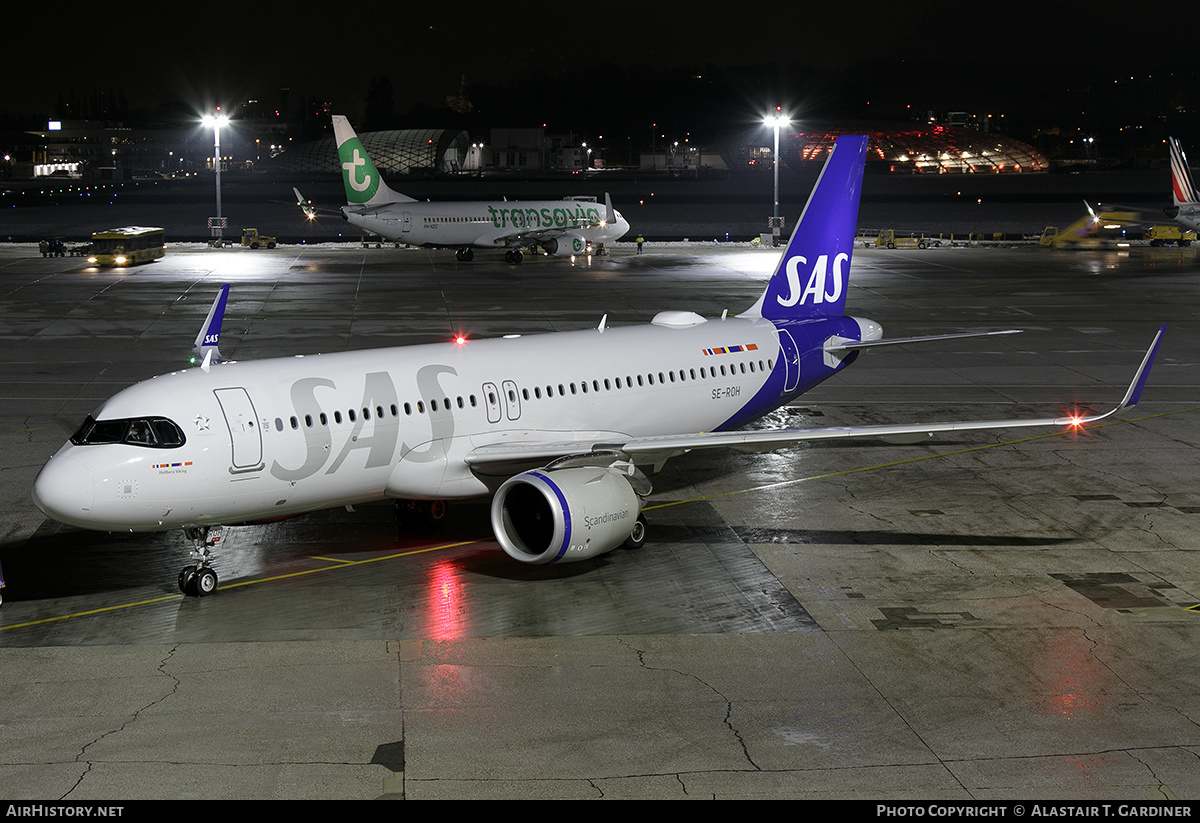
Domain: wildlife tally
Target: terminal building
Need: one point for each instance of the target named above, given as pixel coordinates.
(394, 152)
(900, 148)
(446, 151)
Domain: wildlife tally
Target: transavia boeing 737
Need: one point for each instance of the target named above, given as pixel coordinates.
(560, 227)
(558, 427)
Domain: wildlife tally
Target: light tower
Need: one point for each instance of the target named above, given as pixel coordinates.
(217, 121)
(776, 119)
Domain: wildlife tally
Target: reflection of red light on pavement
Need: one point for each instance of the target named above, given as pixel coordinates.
(444, 595)
(1065, 679)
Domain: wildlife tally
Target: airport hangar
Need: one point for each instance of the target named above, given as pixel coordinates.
(984, 616)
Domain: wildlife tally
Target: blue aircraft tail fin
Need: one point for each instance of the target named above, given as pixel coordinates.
(813, 272)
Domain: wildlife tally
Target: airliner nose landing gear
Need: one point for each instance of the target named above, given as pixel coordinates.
(198, 579)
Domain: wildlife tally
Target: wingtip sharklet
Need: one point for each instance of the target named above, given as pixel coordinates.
(1134, 393)
(1143, 373)
(207, 341)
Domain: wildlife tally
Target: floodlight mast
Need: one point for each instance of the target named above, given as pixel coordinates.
(217, 122)
(776, 119)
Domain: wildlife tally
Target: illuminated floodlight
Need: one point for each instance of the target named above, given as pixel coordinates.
(216, 122)
(776, 119)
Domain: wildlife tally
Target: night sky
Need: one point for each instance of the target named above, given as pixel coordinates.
(532, 63)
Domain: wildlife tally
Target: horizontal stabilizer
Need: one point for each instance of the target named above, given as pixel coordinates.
(850, 345)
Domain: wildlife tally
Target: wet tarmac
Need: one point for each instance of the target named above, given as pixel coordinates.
(986, 615)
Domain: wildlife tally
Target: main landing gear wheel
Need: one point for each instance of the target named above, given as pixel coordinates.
(435, 512)
(186, 578)
(637, 538)
(420, 514)
(464, 255)
(513, 256)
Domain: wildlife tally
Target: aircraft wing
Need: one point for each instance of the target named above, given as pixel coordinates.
(539, 235)
(521, 236)
(659, 448)
(1114, 215)
(310, 210)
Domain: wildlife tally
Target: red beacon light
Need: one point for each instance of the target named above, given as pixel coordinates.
(1075, 419)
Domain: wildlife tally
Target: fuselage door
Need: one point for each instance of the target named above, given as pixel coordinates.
(244, 432)
(405, 222)
(491, 398)
(512, 400)
(791, 360)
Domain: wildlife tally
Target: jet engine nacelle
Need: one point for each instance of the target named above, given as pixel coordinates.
(565, 245)
(564, 515)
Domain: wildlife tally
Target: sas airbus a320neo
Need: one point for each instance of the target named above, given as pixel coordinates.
(559, 428)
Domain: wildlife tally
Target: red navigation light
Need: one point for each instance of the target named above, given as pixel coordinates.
(1075, 419)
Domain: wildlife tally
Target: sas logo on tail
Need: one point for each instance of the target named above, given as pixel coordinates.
(815, 291)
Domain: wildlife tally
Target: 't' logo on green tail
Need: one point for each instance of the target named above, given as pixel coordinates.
(360, 176)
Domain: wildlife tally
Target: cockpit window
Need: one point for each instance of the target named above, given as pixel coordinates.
(152, 432)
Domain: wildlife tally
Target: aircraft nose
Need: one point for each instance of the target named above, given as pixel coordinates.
(65, 489)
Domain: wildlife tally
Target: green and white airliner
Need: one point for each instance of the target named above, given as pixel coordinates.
(570, 227)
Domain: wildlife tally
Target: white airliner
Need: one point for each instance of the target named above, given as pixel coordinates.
(573, 226)
(559, 427)
(1186, 211)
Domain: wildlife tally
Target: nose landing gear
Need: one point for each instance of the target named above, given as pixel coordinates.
(198, 579)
